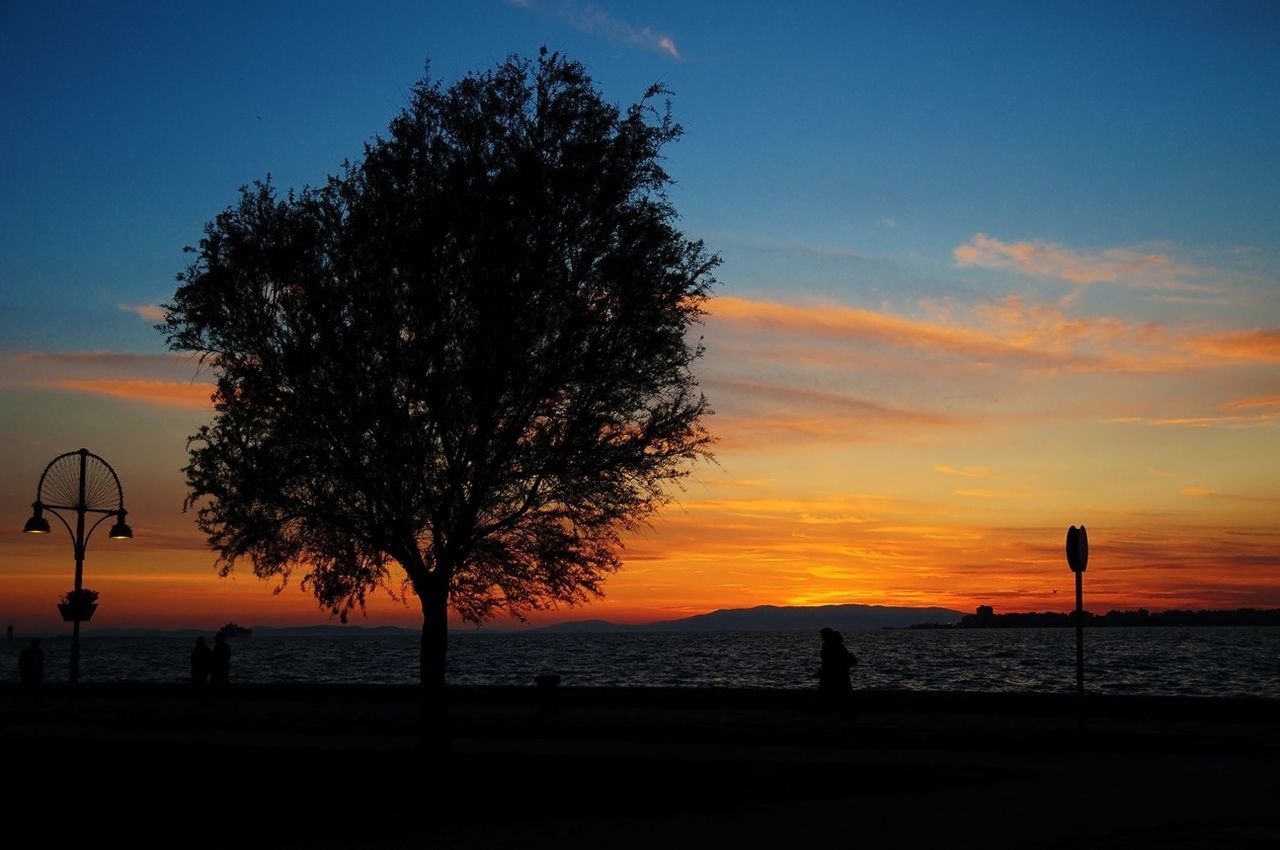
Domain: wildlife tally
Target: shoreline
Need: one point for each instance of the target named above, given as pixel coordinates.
(871, 699)
(1040, 703)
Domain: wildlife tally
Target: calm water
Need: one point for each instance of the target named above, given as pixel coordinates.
(1198, 661)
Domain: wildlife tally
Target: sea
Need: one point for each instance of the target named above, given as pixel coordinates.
(1170, 661)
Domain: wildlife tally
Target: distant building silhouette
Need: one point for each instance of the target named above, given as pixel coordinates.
(986, 618)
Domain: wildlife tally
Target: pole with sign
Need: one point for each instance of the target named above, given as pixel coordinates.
(1078, 559)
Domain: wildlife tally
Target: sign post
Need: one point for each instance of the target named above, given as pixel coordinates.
(1078, 559)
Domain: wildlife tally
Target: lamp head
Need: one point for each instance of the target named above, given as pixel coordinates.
(121, 530)
(37, 524)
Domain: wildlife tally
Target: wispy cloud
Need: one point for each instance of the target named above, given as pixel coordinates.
(978, 493)
(1121, 266)
(759, 415)
(106, 359)
(594, 20)
(794, 397)
(965, 471)
(163, 393)
(1031, 336)
(1207, 421)
(1196, 300)
(844, 323)
(739, 484)
(1263, 411)
(761, 243)
(150, 312)
(1271, 402)
(1209, 493)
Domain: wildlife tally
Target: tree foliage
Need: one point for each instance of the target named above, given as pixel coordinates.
(467, 354)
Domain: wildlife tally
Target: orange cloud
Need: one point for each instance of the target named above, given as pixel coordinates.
(164, 393)
(1125, 266)
(1264, 402)
(1040, 337)
(1258, 345)
(849, 323)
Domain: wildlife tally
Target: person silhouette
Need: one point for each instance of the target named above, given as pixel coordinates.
(201, 663)
(834, 688)
(31, 674)
(220, 666)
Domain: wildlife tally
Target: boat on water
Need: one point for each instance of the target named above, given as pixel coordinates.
(232, 630)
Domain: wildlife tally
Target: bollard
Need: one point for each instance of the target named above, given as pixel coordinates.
(547, 683)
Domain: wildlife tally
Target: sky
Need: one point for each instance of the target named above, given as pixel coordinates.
(989, 270)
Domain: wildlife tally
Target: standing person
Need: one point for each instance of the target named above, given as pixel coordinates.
(220, 668)
(201, 664)
(834, 688)
(31, 674)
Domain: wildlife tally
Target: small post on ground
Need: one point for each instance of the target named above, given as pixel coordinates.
(1078, 559)
(547, 683)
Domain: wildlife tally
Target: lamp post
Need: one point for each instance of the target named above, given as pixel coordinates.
(84, 483)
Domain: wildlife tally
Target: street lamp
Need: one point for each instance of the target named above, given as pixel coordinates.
(82, 482)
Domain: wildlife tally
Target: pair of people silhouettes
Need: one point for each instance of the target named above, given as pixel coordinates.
(835, 692)
(211, 666)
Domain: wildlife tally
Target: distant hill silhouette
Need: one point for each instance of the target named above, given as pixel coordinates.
(584, 626)
(775, 618)
(332, 631)
(319, 630)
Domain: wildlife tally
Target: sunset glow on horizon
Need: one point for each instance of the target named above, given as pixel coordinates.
(961, 308)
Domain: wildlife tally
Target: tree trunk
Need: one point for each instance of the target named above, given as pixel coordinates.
(434, 732)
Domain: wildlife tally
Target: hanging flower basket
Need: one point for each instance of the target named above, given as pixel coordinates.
(78, 605)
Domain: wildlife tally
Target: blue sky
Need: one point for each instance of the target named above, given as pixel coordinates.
(890, 130)
(971, 233)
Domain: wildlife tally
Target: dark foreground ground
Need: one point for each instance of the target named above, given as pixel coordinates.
(324, 766)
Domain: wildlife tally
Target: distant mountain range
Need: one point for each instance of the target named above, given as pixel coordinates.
(775, 618)
(320, 630)
(763, 618)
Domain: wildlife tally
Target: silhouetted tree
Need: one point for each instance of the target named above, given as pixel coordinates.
(467, 354)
